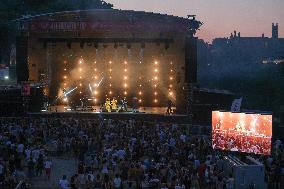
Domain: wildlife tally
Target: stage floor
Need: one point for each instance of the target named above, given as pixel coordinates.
(96, 109)
(148, 114)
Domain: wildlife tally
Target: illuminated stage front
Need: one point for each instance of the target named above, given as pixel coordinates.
(87, 57)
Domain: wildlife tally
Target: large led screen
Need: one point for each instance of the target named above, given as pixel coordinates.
(241, 132)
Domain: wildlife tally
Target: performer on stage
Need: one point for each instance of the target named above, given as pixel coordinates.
(114, 104)
(108, 105)
(134, 105)
(124, 104)
(169, 109)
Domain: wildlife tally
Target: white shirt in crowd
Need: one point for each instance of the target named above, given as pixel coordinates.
(28, 153)
(47, 164)
(117, 182)
(64, 184)
(20, 148)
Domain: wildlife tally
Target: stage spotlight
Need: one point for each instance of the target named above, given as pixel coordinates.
(80, 62)
(156, 62)
(156, 101)
(171, 78)
(155, 78)
(125, 92)
(140, 100)
(65, 77)
(155, 93)
(65, 99)
(110, 62)
(171, 93)
(125, 70)
(140, 93)
(125, 62)
(125, 85)
(110, 92)
(156, 70)
(125, 77)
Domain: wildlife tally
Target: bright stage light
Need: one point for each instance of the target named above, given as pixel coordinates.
(95, 69)
(171, 85)
(155, 78)
(65, 77)
(80, 62)
(125, 85)
(65, 84)
(125, 92)
(140, 100)
(110, 92)
(95, 92)
(80, 69)
(110, 77)
(125, 70)
(125, 77)
(80, 84)
(95, 100)
(171, 78)
(96, 77)
(155, 85)
(110, 62)
(140, 85)
(156, 101)
(171, 93)
(171, 63)
(65, 99)
(80, 92)
(155, 93)
(110, 85)
(140, 93)
(156, 70)
(125, 62)
(95, 85)
(80, 77)
(172, 70)
(64, 69)
(110, 70)
(156, 62)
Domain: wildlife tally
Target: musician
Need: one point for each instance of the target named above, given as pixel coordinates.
(169, 109)
(124, 104)
(114, 104)
(108, 105)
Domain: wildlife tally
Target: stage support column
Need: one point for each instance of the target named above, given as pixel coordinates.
(190, 76)
(22, 68)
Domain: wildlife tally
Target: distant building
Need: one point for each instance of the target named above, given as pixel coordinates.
(253, 49)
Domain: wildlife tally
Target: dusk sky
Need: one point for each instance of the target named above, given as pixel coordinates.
(220, 17)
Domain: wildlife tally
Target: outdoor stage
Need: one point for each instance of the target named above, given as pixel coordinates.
(148, 114)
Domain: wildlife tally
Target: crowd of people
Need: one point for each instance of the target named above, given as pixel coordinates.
(118, 154)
